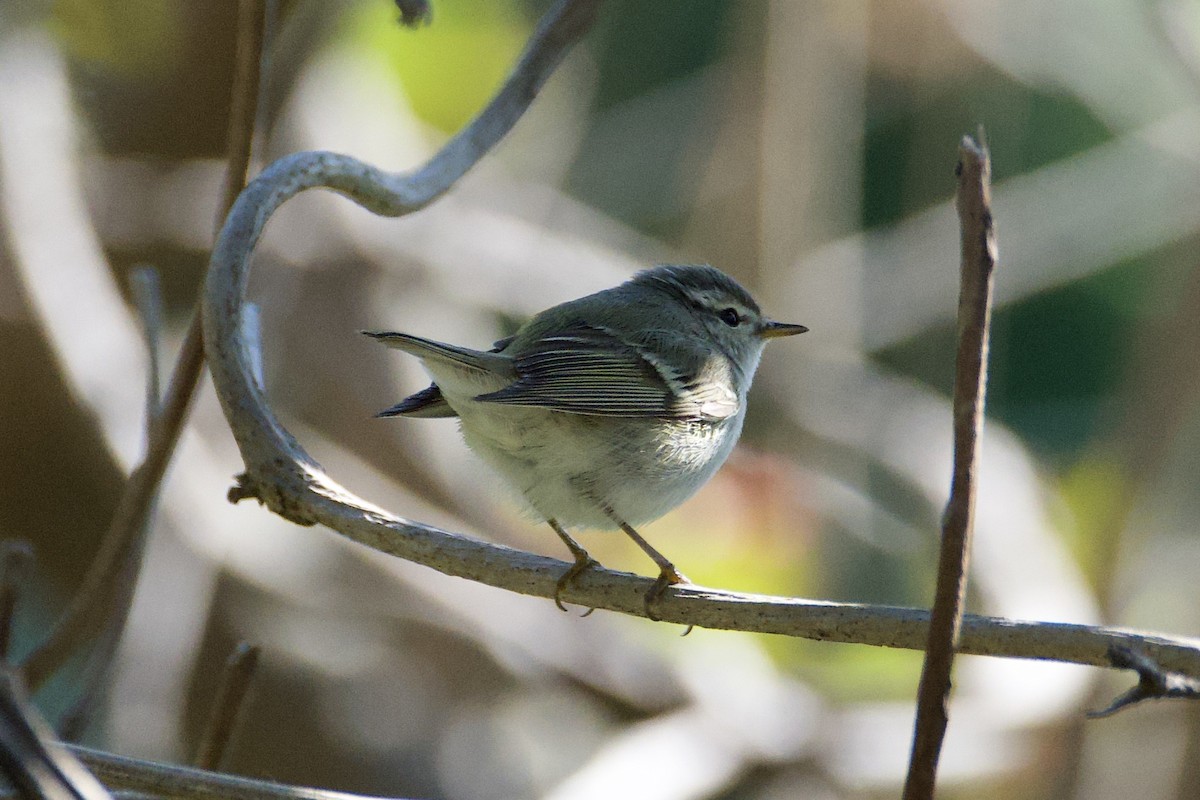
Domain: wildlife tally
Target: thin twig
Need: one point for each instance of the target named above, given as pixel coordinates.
(145, 287)
(29, 757)
(244, 102)
(99, 596)
(270, 36)
(1154, 682)
(170, 780)
(970, 381)
(227, 705)
(147, 294)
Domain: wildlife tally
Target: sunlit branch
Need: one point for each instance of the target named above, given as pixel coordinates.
(978, 261)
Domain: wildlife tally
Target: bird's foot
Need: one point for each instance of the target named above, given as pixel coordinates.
(669, 576)
(582, 562)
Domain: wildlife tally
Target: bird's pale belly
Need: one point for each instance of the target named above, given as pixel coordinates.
(577, 469)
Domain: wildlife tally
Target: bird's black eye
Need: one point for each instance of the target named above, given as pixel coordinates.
(729, 316)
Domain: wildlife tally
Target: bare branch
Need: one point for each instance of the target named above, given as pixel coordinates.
(169, 780)
(235, 682)
(244, 102)
(28, 757)
(101, 596)
(970, 381)
(1154, 683)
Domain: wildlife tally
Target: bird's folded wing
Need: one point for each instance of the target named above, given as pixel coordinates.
(590, 370)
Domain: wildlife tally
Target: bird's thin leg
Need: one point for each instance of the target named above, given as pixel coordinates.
(582, 562)
(668, 574)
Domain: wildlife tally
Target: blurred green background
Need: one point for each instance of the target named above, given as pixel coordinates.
(805, 147)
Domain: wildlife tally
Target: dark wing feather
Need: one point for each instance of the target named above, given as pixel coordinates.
(590, 370)
(425, 403)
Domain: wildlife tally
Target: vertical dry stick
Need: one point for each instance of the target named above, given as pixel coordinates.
(970, 378)
(97, 596)
(235, 681)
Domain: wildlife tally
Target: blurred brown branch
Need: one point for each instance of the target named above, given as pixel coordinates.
(170, 780)
(107, 588)
(227, 706)
(970, 381)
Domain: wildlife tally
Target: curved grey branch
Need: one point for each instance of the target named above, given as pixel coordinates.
(281, 475)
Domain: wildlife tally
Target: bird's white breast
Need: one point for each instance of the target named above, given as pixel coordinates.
(570, 467)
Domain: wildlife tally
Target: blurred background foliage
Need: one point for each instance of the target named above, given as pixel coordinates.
(805, 147)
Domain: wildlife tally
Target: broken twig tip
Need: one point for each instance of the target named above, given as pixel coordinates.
(1154, 682)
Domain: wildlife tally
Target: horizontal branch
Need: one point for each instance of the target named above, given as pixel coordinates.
(324, 502)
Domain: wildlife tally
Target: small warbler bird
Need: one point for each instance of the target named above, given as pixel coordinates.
(610, 410)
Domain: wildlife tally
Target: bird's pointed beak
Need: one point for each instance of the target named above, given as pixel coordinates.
(774, 330)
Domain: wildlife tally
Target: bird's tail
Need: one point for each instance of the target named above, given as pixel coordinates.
(439, 353)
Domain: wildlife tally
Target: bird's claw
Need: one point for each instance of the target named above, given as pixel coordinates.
(668, 577)
(582, 563)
